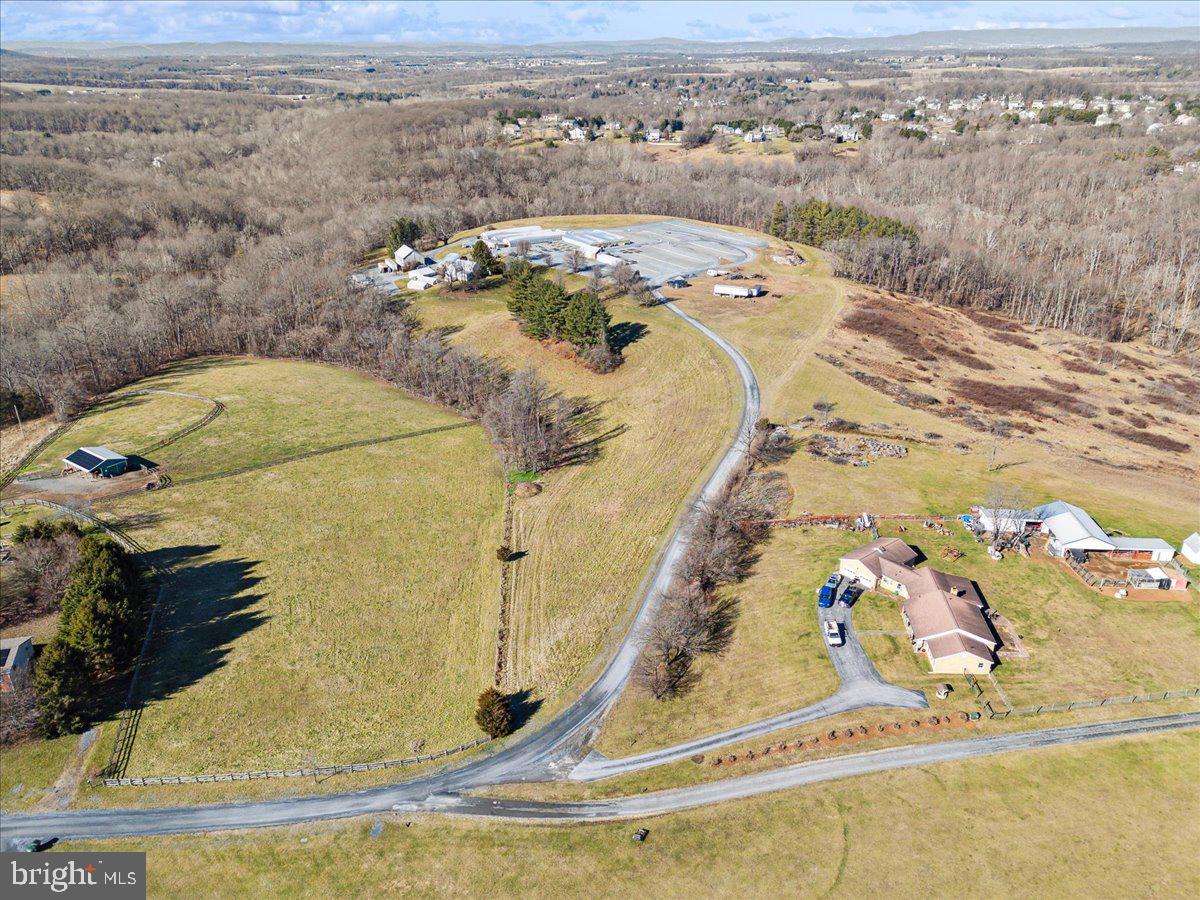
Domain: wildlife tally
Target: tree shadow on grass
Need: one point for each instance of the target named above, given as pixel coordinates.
(207, 606)
(587, 426)
(623, 334)
(523, 705)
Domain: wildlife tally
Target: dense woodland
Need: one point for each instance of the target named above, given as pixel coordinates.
(144, 228)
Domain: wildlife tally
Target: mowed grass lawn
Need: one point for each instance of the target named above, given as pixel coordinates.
(1056, 822)
(331, 609)
(591, 535)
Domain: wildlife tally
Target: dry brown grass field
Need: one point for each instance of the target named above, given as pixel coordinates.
(1081, 643)
(592, 533)
(867, 835)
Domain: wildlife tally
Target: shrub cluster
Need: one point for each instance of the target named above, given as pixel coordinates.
(696, 617)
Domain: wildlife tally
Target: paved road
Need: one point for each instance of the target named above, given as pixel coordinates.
(119, 823)
(550, 752)
(807, 773)
(862, 686)
(554, 750)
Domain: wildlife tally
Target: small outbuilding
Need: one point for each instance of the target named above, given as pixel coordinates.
(16, 659)
(1191, 548)
(98, 461)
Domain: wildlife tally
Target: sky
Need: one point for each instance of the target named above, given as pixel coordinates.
(538, 21)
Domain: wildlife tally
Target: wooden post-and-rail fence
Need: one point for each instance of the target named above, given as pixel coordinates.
(314, 771)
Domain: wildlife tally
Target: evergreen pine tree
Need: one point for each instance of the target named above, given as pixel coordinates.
(65, 688)
(778, 220)
(585, 320)
(544, 310)
(482, 254)
(521, 278)
(403, 231)
(103, 605)
(492, 714)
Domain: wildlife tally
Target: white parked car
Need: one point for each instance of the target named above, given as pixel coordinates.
(833, 633)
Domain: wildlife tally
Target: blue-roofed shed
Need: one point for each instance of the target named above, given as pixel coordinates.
(97, 461)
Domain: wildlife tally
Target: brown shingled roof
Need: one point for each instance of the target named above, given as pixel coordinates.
(889, 552)
(949, 644)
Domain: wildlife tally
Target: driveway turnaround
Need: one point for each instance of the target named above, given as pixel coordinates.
(862, 686)
(400, 798)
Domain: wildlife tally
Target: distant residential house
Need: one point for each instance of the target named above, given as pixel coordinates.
(654, 135)
(843, 133)
(16, 663)
(99, 461)
(511, 129)
(1103, 119)
(576, 134)
(408, 258)
(460, 270)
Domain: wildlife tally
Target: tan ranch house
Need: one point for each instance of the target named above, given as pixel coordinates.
(943, 614)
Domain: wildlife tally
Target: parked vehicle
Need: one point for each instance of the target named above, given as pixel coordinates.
(828, 592)
(825, 597)
(833, 633)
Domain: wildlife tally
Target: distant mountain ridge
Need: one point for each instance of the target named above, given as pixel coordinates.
(923, 41)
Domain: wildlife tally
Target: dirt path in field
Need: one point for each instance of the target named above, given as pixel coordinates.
(802, 352)
(67, 786)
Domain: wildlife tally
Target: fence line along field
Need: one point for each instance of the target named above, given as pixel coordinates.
(328, 610)
(837, 839)
(591, 534)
